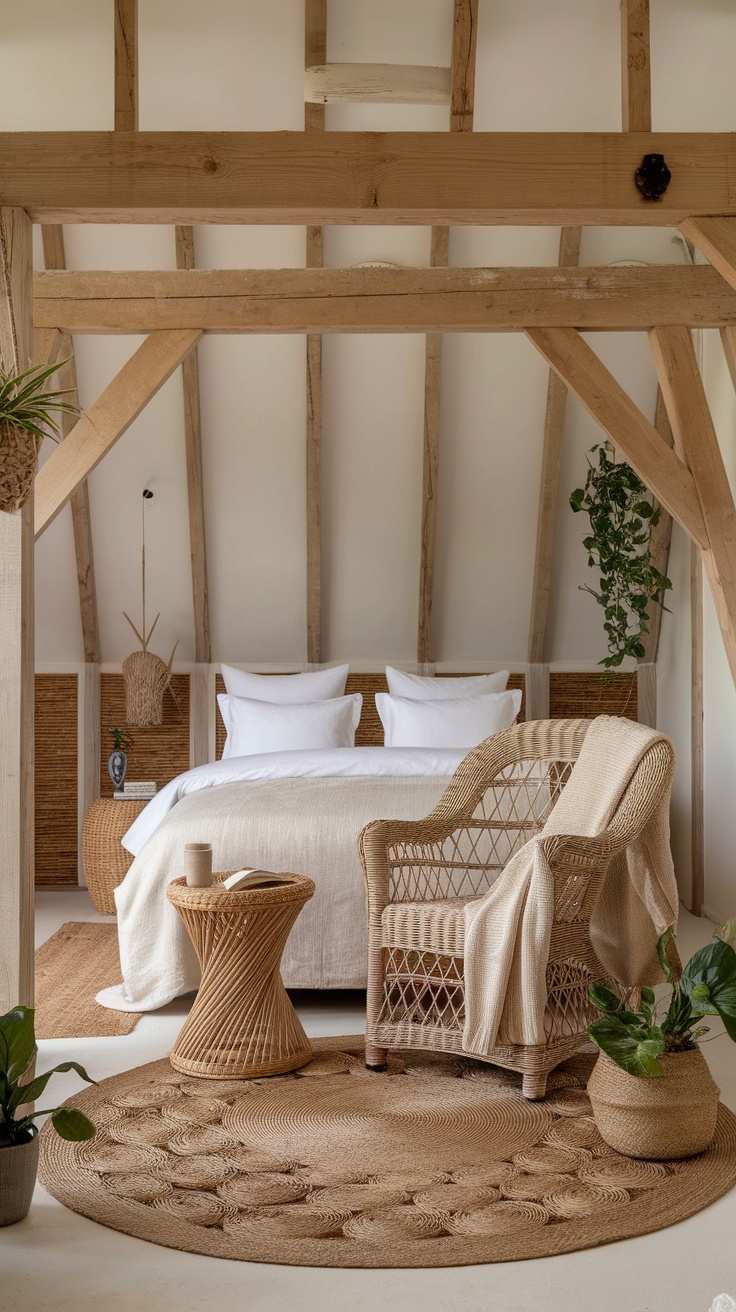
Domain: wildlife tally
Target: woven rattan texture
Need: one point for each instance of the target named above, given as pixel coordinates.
(157, 753)
(57, 835)
(337, 1166)
(71, 967)
(106, 862)
(583, 696)
(370, 730)
(242, 1022)
(421, 873)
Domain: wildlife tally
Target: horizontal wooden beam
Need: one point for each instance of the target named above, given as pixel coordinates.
(371, 177)
(383, 300)
(585, 375)
(387, 84)
(103, 423)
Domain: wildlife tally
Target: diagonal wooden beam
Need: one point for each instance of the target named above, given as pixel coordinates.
(55, 258)
(692, 424)
(126, 65)
(554, 425)
(636, 88)
(430, 178)
(195, 485)
(315, 52)
(660, 540)
(716, 239)
(637, 439)
(103, 423)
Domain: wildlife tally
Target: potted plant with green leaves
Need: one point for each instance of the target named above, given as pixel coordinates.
(18, 1132)
(26, 408)
(621, 515)
(651, 1090)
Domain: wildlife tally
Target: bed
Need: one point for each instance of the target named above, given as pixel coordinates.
(299, 810)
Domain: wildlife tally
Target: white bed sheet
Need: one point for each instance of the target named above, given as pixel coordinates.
(283, 810)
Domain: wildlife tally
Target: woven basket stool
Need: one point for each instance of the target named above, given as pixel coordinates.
(106, 863)
(242, 1023)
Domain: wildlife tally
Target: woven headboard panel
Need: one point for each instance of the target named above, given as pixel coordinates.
(370, 729)
(583, 696)
(57, 839)
(160, 752)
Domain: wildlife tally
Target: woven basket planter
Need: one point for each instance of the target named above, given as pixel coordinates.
(662, 1117)
(18, 1168)
(18, 456)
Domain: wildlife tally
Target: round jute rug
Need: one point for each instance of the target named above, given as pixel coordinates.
(439, 1161)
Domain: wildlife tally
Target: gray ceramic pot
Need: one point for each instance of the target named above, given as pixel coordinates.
(18, 1167)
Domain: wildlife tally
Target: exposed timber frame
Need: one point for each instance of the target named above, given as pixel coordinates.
(462, 98)
(548, 178)
(16, 648)
(315, 53)
(384, 300)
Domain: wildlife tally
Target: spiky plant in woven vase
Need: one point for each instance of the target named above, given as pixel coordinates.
(26, 409)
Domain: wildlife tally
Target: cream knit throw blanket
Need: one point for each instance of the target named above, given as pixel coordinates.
(507, 932)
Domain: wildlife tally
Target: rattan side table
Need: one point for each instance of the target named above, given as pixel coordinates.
(105, 862)
(242, 1024)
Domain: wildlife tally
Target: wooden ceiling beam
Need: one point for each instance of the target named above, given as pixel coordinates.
(99, 428)
(384, 300)
(565, 179)
(695, 435)
(382, 84)
(586, 376)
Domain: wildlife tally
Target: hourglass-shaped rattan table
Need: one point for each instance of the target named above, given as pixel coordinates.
(242, 1024)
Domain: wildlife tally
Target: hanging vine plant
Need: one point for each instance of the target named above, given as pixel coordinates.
(622, 517)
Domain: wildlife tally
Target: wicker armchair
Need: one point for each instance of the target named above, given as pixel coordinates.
(420, 875)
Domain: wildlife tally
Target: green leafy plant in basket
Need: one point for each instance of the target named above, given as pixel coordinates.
(17, 1052)
(26, 410)
(622, 517)
(635, 1040)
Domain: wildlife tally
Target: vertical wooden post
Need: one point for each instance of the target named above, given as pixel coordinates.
(696, 732)
(462, 102)
(315, 52)
(636, 91)
(16, 647)
(537, 691)
(126, 65)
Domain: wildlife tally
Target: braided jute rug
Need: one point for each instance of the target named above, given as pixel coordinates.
(437, 1162)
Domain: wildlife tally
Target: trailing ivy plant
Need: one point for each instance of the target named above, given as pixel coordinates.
(621, 518)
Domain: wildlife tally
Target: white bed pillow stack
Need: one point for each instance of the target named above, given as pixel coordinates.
(445, 712)
(287, 712)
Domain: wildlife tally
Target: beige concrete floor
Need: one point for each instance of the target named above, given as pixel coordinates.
(56, 1261)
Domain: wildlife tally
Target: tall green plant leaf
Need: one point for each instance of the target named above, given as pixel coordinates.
(72, 1124)
(634, 1050)
(17, 1042)
(33, 1090)
(709, 980)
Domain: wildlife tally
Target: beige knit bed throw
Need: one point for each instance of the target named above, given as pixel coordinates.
(507, 932)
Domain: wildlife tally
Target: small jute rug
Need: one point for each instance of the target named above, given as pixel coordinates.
(437, 1162)
(71, 967)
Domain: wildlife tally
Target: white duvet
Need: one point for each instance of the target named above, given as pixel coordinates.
(300, 811)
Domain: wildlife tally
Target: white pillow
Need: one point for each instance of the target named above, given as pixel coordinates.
(458, 722)
(421, 688)
(255, 726)
(286, 689)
